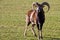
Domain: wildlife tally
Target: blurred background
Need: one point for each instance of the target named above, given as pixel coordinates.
(12, 20)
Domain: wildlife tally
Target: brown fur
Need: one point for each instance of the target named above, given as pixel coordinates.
(34, 15)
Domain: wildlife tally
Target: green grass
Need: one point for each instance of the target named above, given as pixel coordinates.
(12, 20)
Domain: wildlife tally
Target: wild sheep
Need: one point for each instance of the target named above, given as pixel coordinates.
(36, 17)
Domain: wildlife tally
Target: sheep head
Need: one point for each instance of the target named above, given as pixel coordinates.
(36, 4)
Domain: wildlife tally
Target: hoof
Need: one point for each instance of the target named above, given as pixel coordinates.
(40, 38)
(35, 35)
(24, 34)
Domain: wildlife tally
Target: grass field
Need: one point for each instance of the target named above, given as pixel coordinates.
(12, 20)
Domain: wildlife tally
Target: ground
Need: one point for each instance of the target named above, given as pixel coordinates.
(12, 20)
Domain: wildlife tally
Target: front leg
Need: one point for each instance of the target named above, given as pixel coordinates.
(39, 26)
(40, 30)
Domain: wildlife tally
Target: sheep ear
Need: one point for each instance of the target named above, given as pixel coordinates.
(47, 4)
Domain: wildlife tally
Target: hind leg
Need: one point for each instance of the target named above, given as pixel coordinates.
(27, 24)
(33, 31)
(26, 28)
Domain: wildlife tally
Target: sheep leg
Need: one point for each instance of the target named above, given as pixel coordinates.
(39, 26)
(27, 24)
(33, 31)
(25, 30)
(40, 31)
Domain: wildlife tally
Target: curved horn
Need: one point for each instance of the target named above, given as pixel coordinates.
(34, 4)
(45, 3)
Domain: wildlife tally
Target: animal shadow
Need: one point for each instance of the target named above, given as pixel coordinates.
(50, 38)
